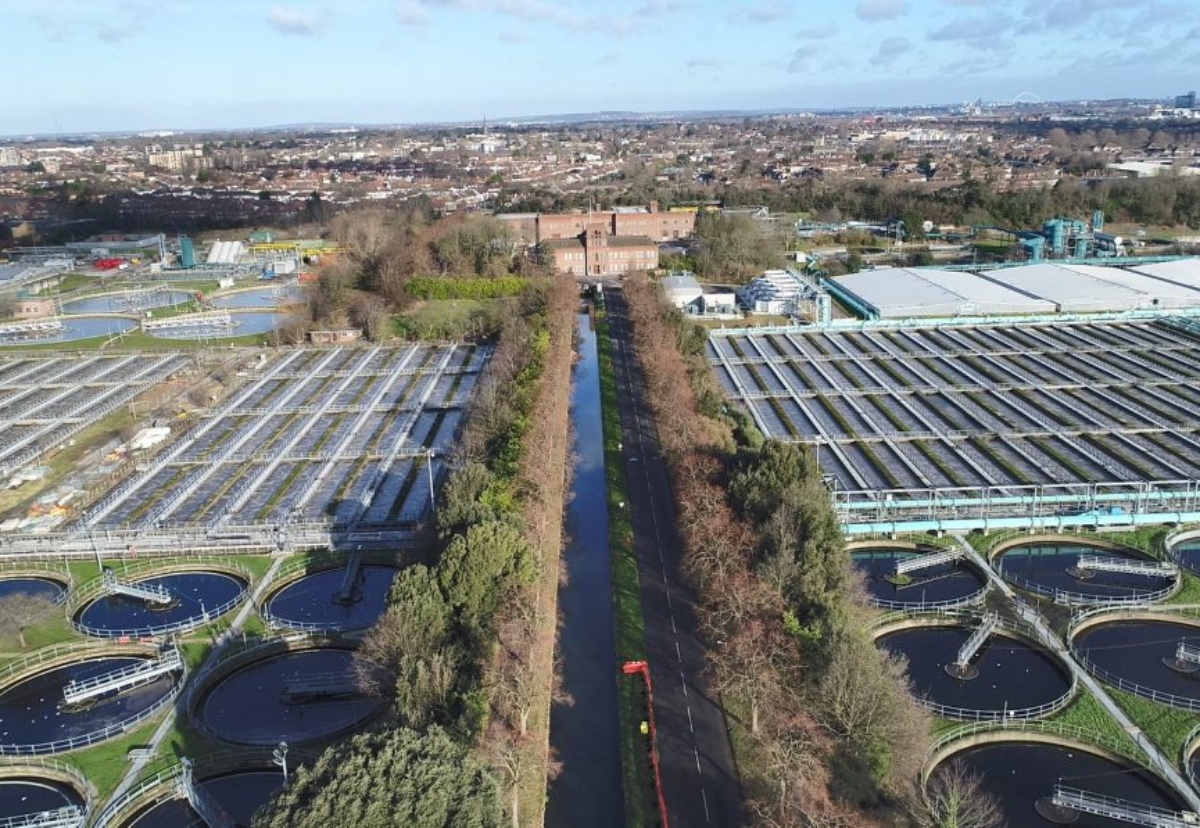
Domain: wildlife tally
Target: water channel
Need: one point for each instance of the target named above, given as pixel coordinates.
(584, 735)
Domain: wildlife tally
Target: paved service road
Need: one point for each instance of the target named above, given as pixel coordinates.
(699, 779)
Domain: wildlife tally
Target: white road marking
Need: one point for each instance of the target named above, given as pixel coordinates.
(704, 796)
(696, 753)
(691, 726)
(678, 655)
(683, 681)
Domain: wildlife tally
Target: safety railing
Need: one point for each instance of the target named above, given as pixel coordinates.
(1125, 749)
(95, 737)
(1161, 697)
(1190, 743)
(161, 783)
(1067, 598)
(1180, 536)
(96, 588)
(41, 765)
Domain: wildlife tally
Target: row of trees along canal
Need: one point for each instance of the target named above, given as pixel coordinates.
(468, 636)
(824, 725)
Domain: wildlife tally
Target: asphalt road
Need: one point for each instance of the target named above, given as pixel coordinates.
(700, 781)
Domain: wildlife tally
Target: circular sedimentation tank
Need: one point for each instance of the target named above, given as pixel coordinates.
(35, 585)
(296, 696)
(195, 597)
(244, 325)
(1142, 652)
(239, 793)
(1009, 675)
(131, 302)
(316, 600)
(1020, 777)
(74, 329)
(1187, 553)
(1050, 566)
(268, 297)
(941, 584)
(25, 795)
(35, 718)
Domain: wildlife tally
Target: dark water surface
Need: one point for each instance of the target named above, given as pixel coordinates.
(1012, 673)
(943, 582)
(40, 587)
(246, 706)
(585, 735)
(310, 599)
(1046, 564)
(20, 796)
(30, 711)
(195, 592)
(240, 794)
(1017, 775)
(1134, 651)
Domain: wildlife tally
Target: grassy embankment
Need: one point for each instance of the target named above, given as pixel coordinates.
(627, 602)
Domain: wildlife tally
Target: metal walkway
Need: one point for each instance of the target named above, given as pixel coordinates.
(202, 802)
(1133, 813)
(351, 588)
(925, 561)
(300, 689)
(71, 816)
(150, 593)
(1125, 566)
(972, 645)
(1187, 653)
(126, 678)
(212, 319)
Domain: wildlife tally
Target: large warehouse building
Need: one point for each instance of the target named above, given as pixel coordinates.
(898, 293)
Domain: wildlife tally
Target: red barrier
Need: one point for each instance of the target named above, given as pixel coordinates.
(642, 668)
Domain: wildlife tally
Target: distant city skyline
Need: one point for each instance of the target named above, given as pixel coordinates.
(142, 65)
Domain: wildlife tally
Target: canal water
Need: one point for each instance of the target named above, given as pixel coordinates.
(584, 734)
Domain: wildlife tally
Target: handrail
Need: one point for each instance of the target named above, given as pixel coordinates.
(96, 588)
(1169, 699)
(1079, 734)
(103, 734)
(226, 760)
(41, 763)
(1190, 743)
(1067, 598)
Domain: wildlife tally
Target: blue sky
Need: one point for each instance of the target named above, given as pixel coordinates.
(80, 65)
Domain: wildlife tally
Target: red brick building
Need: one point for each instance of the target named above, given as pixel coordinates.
(597, 252)
(536, 228)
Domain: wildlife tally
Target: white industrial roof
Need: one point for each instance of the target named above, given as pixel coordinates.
(902, 292)
(1073, 288)
(1181, 271)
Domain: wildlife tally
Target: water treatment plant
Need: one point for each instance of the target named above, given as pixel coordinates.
(1014, 458)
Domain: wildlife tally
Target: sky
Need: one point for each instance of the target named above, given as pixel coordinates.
(111, 65)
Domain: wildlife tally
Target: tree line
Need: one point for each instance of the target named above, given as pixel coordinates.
(834, 736)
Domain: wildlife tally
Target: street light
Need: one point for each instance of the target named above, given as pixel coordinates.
(279, 757)
(429, 468)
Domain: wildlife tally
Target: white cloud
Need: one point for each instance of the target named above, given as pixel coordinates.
(512, 36)
(818, 31)
(973, 28)
(890, 50)
(295, 22)
(767, 11)
(410, 13)
(873, 10)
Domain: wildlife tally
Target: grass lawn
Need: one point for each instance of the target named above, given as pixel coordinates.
(1088, 715)
(1166, 726)
(444, 319)
(105, 765)
(627, 600)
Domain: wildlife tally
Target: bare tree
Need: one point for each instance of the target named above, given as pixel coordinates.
(955, 798)
(21, 609)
